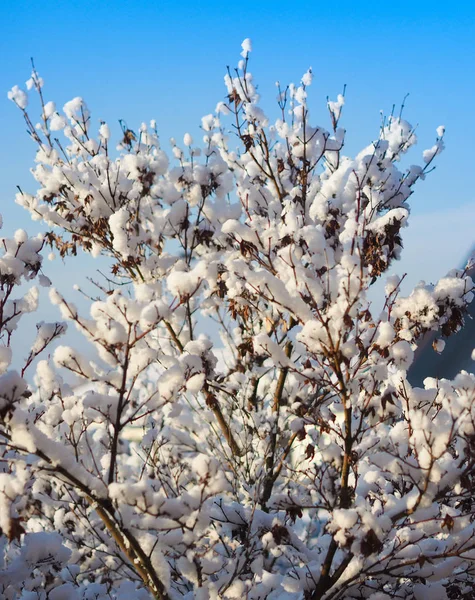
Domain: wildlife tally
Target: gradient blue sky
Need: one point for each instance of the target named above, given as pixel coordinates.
(139, 60)
(165, 60)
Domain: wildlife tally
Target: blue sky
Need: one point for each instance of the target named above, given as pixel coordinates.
(165, 60)
(139, 60)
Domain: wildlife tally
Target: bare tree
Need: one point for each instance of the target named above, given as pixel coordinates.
(292, 460)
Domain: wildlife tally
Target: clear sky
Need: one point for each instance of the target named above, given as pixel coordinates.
(139, 60)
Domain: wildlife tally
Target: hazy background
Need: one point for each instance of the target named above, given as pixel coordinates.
(165, 60)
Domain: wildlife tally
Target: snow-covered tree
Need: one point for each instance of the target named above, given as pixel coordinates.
(290, 460)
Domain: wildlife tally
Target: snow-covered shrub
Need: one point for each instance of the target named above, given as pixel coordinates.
(290, 460)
